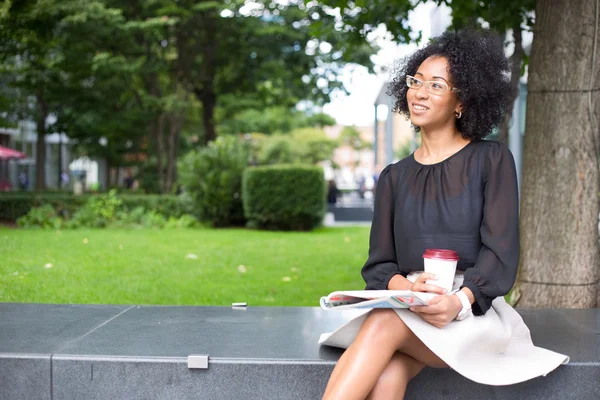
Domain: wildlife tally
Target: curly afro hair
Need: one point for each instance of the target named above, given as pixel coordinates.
(477, 66)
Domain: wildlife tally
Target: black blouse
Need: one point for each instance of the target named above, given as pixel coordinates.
(467, 203)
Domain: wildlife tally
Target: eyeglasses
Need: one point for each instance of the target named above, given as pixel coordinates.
(433, 87)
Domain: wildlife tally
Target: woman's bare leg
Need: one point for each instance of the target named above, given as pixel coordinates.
(359, 368)
(402, 368)
(355, 375)
(392, 382)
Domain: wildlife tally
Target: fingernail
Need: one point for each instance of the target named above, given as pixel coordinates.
(412, 309)
(445, 291)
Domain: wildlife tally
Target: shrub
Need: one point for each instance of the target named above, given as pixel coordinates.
(97, 212)
(44, 217)
(284, 197)
(107, 211)
(153, 219)
(212, 177)
(17, 204)
(167, 205)
(185, 221)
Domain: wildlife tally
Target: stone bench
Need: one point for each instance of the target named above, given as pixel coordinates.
(351, 213)
(141, 352)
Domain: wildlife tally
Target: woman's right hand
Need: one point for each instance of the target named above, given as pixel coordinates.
(420, 285)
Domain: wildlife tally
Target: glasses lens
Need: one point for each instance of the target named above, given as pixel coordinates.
(437, 87)
(411, 82)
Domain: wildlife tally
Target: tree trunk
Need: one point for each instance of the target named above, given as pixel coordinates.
(559, 200)
(160, 149)
(175, 123)
(515, 77)
(208, 100)
(207, 94)
(40, 147)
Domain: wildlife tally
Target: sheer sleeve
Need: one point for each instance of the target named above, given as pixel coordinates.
(382, 264)
(495, 270)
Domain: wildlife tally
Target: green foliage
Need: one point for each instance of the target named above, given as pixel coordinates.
(271, 120)
(315, 144)
(363, 17)
(280, 149)
(151, 73)
(167, 205)
(97, 212)
(302, 146)
(405, 149)
(18, 204)
(44, 217)
(58, 210)
(281, 197)
(183, 222)
(350, 136)
(153, 219)
(108, 210)
(212, 177)
(14, 207)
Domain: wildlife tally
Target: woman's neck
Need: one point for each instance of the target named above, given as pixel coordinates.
(436, 146)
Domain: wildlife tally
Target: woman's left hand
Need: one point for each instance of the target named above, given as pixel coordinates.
(440, 311)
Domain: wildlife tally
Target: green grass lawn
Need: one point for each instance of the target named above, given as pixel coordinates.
(180, 267)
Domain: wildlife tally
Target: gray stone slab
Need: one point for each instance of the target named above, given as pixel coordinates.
(31, 333)
(287, 333)
(46, 328)
(589, 317)
(131, 378)
(256, 332)
(272, 353)
(24, 377)
(568, 332)
(256, 353)
(170, 379)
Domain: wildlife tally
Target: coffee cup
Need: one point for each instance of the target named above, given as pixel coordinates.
(441, 263)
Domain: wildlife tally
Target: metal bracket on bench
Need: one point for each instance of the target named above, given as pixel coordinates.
(198, 361)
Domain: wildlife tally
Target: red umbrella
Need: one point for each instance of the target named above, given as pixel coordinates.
(8, 154)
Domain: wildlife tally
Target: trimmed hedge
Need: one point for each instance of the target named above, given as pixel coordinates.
(284, 197)
(16, 204)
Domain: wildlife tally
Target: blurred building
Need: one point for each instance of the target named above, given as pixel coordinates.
(24, 139)
(59, 158)
(350, 166)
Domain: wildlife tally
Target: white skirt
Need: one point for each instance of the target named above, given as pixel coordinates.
(494, 349)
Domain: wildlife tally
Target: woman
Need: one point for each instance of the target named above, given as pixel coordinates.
(459, 192)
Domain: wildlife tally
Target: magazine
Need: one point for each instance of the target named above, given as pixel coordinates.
(352, 299)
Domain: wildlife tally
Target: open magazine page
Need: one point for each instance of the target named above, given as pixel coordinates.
(344, 300)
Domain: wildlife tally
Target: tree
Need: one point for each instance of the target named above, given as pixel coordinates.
(268, 120)
(30, 52)
(560, 185)
(267, 53)
(125, 103)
